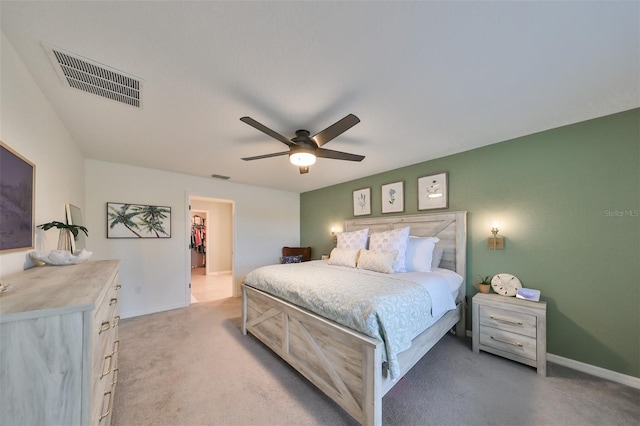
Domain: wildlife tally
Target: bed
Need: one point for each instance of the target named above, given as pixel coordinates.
(349, 366)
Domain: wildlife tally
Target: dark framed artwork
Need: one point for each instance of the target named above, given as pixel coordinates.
(362, 202)
(17, 199)
(432, 192)
(138, 221)
(393, 197)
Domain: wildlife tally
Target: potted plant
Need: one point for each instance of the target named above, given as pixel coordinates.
(485, 284)
(64, 239)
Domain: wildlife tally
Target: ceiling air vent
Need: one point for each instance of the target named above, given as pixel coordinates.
(93, 77)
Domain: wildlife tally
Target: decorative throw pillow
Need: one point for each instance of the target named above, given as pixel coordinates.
(292, 259)
(394, 240)
(343, 257)
(437, 257)
(378, 261)
(419, 255)
(353, 240)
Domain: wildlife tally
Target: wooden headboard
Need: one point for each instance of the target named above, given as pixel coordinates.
(450, 227)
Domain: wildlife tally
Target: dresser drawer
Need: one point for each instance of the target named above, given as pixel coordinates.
(104, 387)
(513, 343)
(104, 332)
(511, 321)
(105, 319)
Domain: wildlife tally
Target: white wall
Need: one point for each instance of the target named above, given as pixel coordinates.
(154, 272)
(31, 127)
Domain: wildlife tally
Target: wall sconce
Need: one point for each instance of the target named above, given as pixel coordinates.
(334, 234)
(495, 242)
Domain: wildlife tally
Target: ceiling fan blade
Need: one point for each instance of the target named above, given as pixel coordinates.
(337, 155)
(336, 129)
(258, 157)
(264, 129)
(304, 169)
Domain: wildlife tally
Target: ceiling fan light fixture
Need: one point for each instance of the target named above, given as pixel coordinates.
(303, 149)
(302, 157)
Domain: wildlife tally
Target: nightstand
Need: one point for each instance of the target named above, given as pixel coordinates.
(512, 328)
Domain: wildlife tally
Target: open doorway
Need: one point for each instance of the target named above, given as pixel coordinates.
(210, 249)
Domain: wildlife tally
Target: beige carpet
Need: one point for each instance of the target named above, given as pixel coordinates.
(193, 366)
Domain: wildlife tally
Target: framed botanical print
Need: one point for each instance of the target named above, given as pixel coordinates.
(432, 192)
(17, 196)
(393, 197)
(362, 202)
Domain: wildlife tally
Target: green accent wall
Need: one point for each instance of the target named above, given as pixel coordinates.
(568, 204)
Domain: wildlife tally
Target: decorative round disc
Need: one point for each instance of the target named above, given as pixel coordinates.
(505, 284)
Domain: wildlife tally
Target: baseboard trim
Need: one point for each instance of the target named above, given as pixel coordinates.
(603, 373)
(152, 311)
(220, 273)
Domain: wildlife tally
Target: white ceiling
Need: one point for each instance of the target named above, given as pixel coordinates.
(427, 79)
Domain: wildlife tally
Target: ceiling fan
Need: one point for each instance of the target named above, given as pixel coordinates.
(303, 149)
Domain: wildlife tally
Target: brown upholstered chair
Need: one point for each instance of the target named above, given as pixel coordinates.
(297, 251)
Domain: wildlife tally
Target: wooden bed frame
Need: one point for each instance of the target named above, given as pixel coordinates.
(344, 364)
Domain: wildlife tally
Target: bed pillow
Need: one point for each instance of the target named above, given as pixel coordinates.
(354, 240)
(394, 240)
(343, 257)
(437, 257)
(419, 255)
(292, 259)
(378, 261)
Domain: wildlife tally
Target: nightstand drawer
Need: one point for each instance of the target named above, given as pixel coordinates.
(511, 321)
(505, 341)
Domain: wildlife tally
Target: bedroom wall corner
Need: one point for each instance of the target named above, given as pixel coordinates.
(30, 126)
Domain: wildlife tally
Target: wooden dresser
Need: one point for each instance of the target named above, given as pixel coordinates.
(512, 328)
(59, 345)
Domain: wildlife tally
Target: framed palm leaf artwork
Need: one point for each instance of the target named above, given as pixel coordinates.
(138, 221)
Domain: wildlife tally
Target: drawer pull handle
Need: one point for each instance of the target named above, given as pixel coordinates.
(118, 287)
(113, 301)
(104, 327)
(116, 347)
(104, 373)
(506, 341)
(116, 321)
(110, 406)
(115, 376)
(506, 320)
